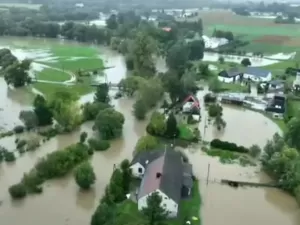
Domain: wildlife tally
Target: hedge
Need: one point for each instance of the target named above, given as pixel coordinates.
(229, 146)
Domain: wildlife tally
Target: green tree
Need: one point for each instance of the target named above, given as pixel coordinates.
(17, 73)
(17, 191)
(177, 57)
(83, 137)
(293, 132)
(221, 60)
(154, 211)
(127, 176)
(101, 94)
(130, 84)
(84, 175)
(140, 109)
(109, 123)
(214, 110)
(219, 122)
(143, 49)
(112, 22)
(65, 109)
(116, 187)
(29, 118)
(196, 49)
(157, 124)
(246, 62)
(103, 214)
(171, 127)
(91, 110)
(146, 143)
(151, 91)
(42, 111)
(254, 151)
(215, 85)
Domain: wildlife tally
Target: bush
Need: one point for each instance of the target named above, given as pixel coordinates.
(21, 144)
(98, 145)
(84, 175)
(49, 133)
(228, 146)
(146, 143)
(33, 143)
(17, 191)
(19, 129)
(6, 134)
(254, 151)
(83, 137)
(9, 156)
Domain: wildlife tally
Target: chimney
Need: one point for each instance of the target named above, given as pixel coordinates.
(158, 175)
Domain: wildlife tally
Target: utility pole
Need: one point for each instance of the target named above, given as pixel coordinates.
(205, 124)
(208, 171)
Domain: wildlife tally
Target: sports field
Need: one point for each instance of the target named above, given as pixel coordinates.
(56, 63)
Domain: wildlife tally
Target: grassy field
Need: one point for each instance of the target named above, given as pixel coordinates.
(78, 89)
(265, 36)
(228, 157)
(52, 75)
(77, 64)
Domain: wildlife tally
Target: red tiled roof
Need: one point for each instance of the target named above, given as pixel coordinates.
(150, 182)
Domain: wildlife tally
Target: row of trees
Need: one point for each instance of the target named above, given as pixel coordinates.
(56, 164)
(223, 34)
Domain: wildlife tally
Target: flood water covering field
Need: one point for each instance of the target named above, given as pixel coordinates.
(62, 203)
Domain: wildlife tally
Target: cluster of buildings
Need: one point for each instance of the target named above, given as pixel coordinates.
(163, 172)
(255, 74)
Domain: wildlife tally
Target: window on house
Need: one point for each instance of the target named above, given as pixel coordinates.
(166, 197)
(140, 169)
(165, 205)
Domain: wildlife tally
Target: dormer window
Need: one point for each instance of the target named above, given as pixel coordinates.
(140, 170)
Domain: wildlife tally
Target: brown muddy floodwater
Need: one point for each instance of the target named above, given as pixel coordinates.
(62, 203)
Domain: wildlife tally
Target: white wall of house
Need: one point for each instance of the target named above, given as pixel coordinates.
(167, 203)
(227, 79)
(258, 79)
(137, 170)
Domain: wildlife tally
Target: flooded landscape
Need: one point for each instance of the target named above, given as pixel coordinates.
(63, 203)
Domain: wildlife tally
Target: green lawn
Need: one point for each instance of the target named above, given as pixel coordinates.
(127, 211)
(234, 87)
(48, 89)
(72, 50)
(185, 133)
(228, 157)
(75, 65)
(20, 5)
(257, 30)
(52, 75)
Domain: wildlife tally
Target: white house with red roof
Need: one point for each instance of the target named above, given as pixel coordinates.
(166, 174)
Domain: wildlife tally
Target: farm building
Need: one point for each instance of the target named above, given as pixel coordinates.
(274, 85)
(230, 76)
(233, 98)
(296, 84)
(257, 74)
(165, 174)
(212, 42)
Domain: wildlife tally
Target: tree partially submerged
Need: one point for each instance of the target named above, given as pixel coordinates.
(109, 123)
(84, 175)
